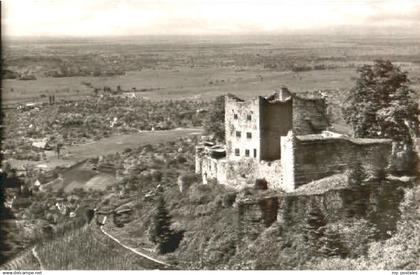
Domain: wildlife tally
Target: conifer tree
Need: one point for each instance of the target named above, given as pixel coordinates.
(313, 226)
(330, 244)
(161, 228)
(357, 174)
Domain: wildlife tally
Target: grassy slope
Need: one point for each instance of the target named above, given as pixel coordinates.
(212, 236)
(211, 241)
(87, 249)
(24, 261)
(400, 251)
(211, 230)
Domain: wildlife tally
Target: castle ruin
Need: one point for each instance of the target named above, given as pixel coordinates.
(282, 141)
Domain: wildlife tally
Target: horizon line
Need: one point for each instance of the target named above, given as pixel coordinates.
(268, 34)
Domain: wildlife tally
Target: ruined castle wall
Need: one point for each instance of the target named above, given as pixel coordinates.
(315, 159)
(242, 122)
(287, 162)
(213, 169)
(198, 158)
(221, 173)
(276, 121)
(302, 161)
(255, 216)
(377, 202)
(244, 173)
(320, 158)
(271, 172)
(309, 116)
(239, 174)
(206, 170)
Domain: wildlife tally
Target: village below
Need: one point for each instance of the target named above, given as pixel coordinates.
(232, 155)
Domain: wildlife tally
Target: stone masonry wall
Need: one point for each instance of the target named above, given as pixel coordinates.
(198, 159)
(211, 168)
(256, 215)
(240, 174)
(270, 171)
(276, 121)
(242, 128)
(315, 159)
(309, 116)
(377, 202)
(287, 160)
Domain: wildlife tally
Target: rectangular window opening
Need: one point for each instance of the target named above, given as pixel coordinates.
(235, 116)
(238, 134)
(248, 117)
(255, 153)
(236, 152)
(248, 135)
(246, 152)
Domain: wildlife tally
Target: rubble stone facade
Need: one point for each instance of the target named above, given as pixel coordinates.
(282, 140)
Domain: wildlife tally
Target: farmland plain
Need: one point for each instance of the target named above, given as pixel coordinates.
(198, 68)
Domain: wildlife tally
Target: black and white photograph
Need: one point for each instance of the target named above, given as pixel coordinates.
(233, 135)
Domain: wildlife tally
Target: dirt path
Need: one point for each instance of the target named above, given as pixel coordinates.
(133, 250)
(37, 258)
(26, 260)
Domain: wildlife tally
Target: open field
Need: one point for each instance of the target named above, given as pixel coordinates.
(77, 153)
(201, 68)
(187, 83)
(79, 176)
(118, 143)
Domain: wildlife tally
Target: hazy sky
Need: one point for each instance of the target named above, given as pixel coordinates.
(137, 17)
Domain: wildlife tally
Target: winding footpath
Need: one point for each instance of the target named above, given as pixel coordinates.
(36, 256)
(166, 265)
(28, 259)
